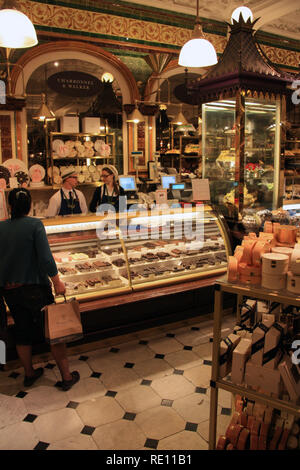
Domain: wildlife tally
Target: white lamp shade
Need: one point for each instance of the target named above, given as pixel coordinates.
(197, 53)
(246, 14)
(16, 30)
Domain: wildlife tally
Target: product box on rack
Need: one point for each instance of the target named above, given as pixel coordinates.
(258, 341)
(90, 125)
(291, 378)
(240, 355)
(69, 124)
(227, 346)
(267, 379)
(272, 353)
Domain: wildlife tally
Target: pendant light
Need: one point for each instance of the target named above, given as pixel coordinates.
(179, 119)
(16, 29)
(44, 113)
(244, 11)
(136, 116)
(197, 52)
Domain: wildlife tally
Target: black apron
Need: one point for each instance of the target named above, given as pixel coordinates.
(106, 199)
(69, 206)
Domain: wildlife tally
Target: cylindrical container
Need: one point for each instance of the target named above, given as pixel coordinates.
(287, 234)
(268, 227)
(249, 271)
(295, 260)
(293, 283)
(238, 253)
(283, 250)
(275, 282)
(259, 249)
(248, 246)
(275, 263)
(232, 269)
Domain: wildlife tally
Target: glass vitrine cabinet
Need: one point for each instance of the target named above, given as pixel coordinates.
(241, 148)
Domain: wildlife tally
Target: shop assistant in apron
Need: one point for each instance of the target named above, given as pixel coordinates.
(67, 200)
(69, 205)
(109, 192)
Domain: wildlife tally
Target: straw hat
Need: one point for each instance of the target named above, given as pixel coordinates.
(67, 173)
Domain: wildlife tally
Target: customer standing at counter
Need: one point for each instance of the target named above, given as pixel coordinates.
(67, 200)
(26, 266)
(110, 191)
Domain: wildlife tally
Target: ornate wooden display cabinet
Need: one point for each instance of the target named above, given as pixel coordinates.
(244, 98)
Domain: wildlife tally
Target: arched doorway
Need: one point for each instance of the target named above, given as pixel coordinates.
(92, 56)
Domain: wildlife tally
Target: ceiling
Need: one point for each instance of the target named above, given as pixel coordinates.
(281, 17)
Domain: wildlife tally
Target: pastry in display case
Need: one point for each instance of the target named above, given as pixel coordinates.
(95, 261)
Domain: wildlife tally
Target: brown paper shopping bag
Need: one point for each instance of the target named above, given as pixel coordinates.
(62, 322)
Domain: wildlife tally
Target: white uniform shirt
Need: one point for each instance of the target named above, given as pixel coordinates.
(55, 202)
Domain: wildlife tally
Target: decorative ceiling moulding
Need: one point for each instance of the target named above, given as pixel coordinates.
(78, 47)
(90, 24)
(66, 19)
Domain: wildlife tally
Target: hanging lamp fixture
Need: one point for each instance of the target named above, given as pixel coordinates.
(179, 119)
(244, 11)
(136, 116)
(44, 113)
(198, 51)
(16, 29)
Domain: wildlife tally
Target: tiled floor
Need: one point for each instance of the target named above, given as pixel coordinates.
(146, 390)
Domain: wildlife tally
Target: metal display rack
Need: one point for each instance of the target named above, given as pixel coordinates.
(241, 290)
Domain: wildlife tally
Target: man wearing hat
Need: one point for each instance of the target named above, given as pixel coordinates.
(67, 200)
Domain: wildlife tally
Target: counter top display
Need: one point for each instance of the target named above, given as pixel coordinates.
(101, 256)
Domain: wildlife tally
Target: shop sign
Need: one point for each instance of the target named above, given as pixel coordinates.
(72, 83)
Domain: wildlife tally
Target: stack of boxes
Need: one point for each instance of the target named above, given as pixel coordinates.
(271, 260)
(255, 426)
(293, 276)
(257, 356)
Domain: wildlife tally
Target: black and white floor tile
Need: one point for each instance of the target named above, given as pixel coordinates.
(146, 390)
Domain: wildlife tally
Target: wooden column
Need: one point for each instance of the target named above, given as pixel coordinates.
(239, 153)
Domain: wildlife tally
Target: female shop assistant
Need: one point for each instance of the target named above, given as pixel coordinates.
(109, 192)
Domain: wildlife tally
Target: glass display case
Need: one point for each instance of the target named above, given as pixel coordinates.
(183, 245)
(101, 256)
(89, 265)
(241, 149)
(292, 170)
